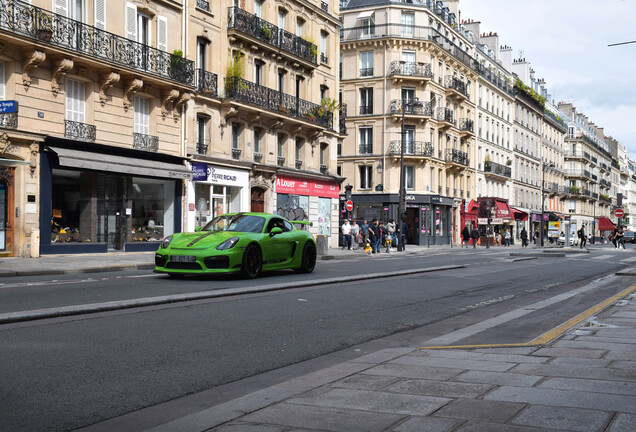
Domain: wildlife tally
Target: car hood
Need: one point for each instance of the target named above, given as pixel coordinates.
(201, 239)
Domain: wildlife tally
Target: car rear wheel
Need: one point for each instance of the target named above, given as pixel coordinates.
(308, 261)
(252, 262)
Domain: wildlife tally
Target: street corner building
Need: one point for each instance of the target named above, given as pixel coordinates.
(109, 113)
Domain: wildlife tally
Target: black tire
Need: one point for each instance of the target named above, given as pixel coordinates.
(252, 264)
(308, 260)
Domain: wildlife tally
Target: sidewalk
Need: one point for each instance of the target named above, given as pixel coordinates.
(584, 380)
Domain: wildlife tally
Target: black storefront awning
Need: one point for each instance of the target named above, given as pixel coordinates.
(121, 164)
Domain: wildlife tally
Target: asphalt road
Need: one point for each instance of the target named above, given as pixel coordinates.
(66, 373)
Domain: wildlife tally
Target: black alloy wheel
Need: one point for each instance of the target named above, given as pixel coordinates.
(252, 261)
(308, 261)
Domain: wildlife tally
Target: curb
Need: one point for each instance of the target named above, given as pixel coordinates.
(102, 269)
(37, 314)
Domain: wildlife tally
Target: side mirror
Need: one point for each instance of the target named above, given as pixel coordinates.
(275, 231)
(197, 229)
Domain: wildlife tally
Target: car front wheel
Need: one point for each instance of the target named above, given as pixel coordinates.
(252, 262)
(308, 262)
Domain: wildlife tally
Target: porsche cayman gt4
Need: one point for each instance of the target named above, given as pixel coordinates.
(239, 242)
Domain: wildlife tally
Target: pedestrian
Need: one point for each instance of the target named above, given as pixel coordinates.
(620, 238)
(346, 235)
(364, 230)
(536, 236)
(465, 236)
(524, 237)
(355, 234)
(381, 236)
(403, 229)
(582, 236)
(475, 236)
(507, 237)
(390, 228)
(373, 234)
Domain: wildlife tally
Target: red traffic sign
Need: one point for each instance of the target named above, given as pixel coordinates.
(349, 205)
(619, 212)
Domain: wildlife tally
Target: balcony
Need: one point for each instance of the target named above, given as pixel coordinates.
(576, 191)
(145, 142)
(497, 171)
(202, 146)
(411, 111)
(411, 148)
(342, 119)
(456, 158)
(445, 118)
(402, 71)
(365, 149)
(466, 127)
(253, 27)
(280, 161)
(299, 164)
(581, 173)
(236, 153)
(605, 199)
(204, 5)
(79, 131)
(366, 72)
(324, 6)
(207, 83)
(605, 184)
(323, 169)
(9, 120)
(58, 31)
(456, 88)
(258, 157)
(577, 155)
(324, 59)
(256, 95)
(366, 109)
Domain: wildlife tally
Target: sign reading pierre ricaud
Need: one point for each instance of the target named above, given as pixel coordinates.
(218, 175)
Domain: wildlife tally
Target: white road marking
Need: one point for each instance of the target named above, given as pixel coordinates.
(602, 257)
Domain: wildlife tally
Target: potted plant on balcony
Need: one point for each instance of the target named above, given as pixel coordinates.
(235, 73)
(178, 64)
(312, 46)
(509, 162)
(45, 26)
(267, 32)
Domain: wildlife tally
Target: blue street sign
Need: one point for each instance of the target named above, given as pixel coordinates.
(199, 171)
(8, 106)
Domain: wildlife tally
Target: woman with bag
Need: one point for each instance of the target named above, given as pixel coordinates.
(355, 234)
(390, 228)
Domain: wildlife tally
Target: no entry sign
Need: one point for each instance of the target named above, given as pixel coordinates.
(349, 205)
(619, 212)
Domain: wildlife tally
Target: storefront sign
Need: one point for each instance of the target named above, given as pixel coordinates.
(295, 186)
(482, 221)
(554, 228)
(8, 106)
(496, 221)
(199, 171)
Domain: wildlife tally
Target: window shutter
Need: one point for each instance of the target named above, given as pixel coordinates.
(2, 95)
(162, 33)
(75, 100)
(60, 7)
(131, 21)
(142, 115)
(100, 14)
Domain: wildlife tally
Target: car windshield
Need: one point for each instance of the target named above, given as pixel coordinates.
(236, 222)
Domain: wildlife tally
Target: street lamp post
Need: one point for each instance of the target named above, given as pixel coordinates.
(415, 103)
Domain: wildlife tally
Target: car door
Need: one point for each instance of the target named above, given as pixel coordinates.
(277, 248)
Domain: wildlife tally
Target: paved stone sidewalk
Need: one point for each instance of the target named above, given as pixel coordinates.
(584, 381)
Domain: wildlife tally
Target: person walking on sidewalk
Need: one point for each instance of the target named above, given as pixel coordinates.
(620, 238)
(373, 235)
(355, 234)
(465, 236)
(507, 237)
(475, 235)
(582, 236)
(364, 230)
(390, 230)
(403, 229)
(524, 237)
(381, 235)
(346, 235)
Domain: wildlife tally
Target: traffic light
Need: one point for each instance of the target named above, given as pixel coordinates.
(348, 189)
(619, 200)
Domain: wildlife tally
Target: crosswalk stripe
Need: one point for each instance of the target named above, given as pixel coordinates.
(628, 260)
(603, 257)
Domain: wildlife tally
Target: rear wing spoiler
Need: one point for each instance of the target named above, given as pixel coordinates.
(302, 222)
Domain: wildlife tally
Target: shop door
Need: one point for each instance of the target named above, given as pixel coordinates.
(7, 210)
(202, 204)
(412, 222)
(115, 213)
(3, 217)
(258, 200)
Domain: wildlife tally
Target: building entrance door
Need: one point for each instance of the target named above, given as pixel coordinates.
(7, 210)
(258, 200)
(115, 213)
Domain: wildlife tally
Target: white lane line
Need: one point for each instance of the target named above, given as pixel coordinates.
(145, 276)
(602, 257)
(629, 260)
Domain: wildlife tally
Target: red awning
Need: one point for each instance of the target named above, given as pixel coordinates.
(519, 215)
(604, 224)
(503, 210)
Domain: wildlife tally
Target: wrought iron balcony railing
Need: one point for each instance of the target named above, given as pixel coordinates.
(457, 156)
(35, 23)
(605, 183)
(9, 120)
(366, 72)
(207, 82)
(342, 119)
(323, 169)
(495, 168)
(202, 146)
(264, 97)
(575, 190)
(236, 153)
(605, 198)
(425, 110)
(411, 148)
(466, 124)
(323, 58)
(251, 25)
(445, 115)
(454, 83)
(365, 149)
(203, 4)
(79, 131)
(299, 164)
(366, 109)
(324, 6)
(280, 161)
(145, 142)
(258, 157)
(578, 173)
(420, 70)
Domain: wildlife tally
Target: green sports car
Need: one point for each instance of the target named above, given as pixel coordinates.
(239, 242)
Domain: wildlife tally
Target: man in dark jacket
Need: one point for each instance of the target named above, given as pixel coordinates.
(524, 237)
(465, 236)
(475, 236)
(373, 234)
(582, 236)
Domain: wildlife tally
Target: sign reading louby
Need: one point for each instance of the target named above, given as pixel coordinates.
(296, 186)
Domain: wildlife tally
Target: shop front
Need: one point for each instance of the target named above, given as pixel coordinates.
(215, 190)
(101, 199)
(309, 199)
(429, 218)
(489, 213)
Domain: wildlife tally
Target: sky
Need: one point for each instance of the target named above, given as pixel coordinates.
(566, 43)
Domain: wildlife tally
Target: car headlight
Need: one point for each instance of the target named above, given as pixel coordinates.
(166, 242)
(228, 244)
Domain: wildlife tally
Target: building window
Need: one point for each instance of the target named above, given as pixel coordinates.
(407, 21)
(324, 148)
(281, 149)
(142, 115)
(366, 63)
(366, 176)
(299, 149)
(257, 141)
(323, 48)
(282, 14)
(258, 8)
(368, 27)
(366, 140)
(236, 149)
(299, 27)
(258, 72)
(366, 101)
(75, 100)
(409, 177)
(202, 134)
